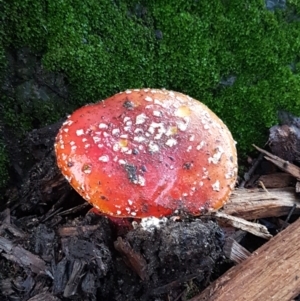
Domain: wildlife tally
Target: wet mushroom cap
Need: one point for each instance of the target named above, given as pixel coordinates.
(147, 153)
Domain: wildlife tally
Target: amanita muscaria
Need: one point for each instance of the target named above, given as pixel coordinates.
(148, 152)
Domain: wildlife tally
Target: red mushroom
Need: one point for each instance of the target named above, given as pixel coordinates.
(148, 152)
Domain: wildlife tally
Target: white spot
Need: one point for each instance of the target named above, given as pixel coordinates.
(138, 130)
(124, 149)
(128, 152)
(115, 132)
(128, 91)
(126, 119)
(72, 143)
(87, 145)
(158, 102)
(79, 132)
(119, 212)
(201, 183)
(155, 125)
(116, 147)
(64, 156)
(153, 147)
(66, 130)
(185, 194)
(105, 134)
(103, 126)
(62, 146)
(128, 209)
(69, 179)
(104, 158)
(127, 128)
(206, 126)
(230, 174)
(200, 145)
(141, 180)
(124, 136)
(87, 171)
(73, 147)
(205, 173)
(100, 145)
(68, 122)
(84, 140)
(183, 125)
(217, 155)
(216, 186)
(192, 137)
(151, 223)
(130, 202)
(133, 213)
(171, 142)
(189, 148)
(96, 139)
(151, 129)
(148, 98)
(115, 159)
(161, 131)
(122, 162)
(140, 119)
(139, 139)
(157, 113)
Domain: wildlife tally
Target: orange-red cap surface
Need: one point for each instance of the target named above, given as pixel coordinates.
(148, 152)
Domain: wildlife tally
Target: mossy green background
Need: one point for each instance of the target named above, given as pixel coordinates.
(106, 46)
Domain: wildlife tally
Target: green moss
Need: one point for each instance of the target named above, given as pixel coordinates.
(106, 46)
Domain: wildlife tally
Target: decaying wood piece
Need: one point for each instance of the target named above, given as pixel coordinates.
(134, 259)
(240, 223)
(282, 164)
(75, 231)
(270, 273)
(23, 257)
(276, 180)
(234, 251)
(256, 203)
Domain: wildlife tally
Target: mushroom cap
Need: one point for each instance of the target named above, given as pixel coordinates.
(148, 152)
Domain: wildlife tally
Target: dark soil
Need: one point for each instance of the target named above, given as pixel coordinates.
(53, 248)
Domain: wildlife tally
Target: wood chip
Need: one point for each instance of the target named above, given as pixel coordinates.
(23, 257)
(240, 223)
(256, 203)
(276, 180)
(282, 164)
(270, 273)
(234, 251)
(133, 259)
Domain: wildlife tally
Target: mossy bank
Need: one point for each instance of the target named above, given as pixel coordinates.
(241, 58)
